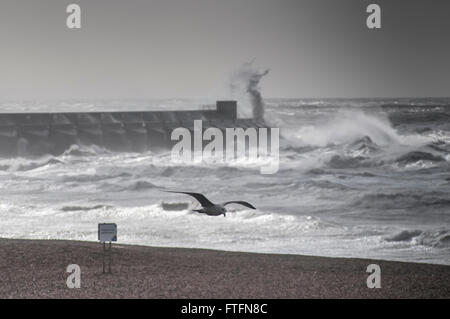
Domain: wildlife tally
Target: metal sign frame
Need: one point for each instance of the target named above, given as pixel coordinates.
(107, 233)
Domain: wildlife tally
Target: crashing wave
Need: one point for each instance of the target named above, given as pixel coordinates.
(364, 145)
(403, 200)
(416, 156)
(437, 239)
(405, 235)
(22, 165)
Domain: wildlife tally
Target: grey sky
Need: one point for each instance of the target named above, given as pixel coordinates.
(189, 48)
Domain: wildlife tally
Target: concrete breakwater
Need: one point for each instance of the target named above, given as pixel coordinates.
(23, 134)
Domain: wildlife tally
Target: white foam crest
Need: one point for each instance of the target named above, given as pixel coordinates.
(347, 127)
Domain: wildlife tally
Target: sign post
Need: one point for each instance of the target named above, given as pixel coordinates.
(107, 233)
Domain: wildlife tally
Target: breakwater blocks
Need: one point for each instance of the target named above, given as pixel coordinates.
(23, 134)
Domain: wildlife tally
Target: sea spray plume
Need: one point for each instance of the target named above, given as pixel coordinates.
(255, 95)
(246, 80)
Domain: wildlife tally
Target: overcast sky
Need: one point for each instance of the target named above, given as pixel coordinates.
(189, 48)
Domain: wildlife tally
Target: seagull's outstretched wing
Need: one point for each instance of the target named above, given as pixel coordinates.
(200, 197)
(240, 203)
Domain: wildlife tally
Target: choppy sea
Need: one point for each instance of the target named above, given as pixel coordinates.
(358, 178)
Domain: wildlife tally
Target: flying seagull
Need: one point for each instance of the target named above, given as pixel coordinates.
(210, 208)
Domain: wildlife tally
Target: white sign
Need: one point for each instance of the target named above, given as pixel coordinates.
(107, 232)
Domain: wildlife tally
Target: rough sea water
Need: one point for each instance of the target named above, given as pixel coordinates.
(358, 178)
